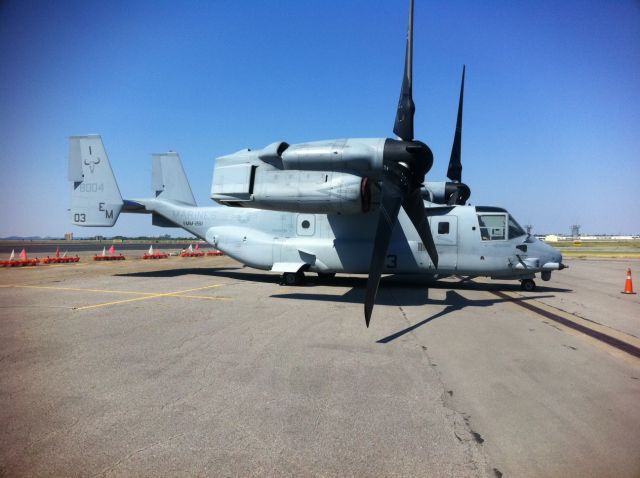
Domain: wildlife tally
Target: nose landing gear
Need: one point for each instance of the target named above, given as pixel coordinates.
(528, 285)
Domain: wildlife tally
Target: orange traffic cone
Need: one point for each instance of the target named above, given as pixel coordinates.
(628, 285)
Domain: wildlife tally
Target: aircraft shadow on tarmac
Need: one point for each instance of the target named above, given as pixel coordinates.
(455, 302)
(231, 272)
(418, 296)
(405, 282)
(400, 290)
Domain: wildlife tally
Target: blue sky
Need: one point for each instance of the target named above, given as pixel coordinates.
(552, 101)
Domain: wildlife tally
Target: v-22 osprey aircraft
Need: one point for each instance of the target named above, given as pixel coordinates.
(355, 206)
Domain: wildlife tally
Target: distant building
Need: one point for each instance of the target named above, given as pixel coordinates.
(68, 236)
(551, 238)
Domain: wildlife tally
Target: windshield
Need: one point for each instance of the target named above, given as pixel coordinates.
(514, 228)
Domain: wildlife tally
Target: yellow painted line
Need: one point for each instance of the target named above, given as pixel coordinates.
(204, 297)
(144, 294)
(76, 289)
(154, 296)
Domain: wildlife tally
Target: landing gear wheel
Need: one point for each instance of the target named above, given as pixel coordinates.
(293, 278)
(528, 285)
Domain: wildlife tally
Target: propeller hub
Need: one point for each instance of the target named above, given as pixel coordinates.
(456, 193)
(412, 155)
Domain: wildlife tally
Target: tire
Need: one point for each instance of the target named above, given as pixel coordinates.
(528, 285)
(289, 278)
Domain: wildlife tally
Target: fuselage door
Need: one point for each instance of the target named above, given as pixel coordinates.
(445, 235)
(306, 224)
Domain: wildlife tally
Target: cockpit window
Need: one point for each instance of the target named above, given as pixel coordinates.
(514, 228)
(492, 226)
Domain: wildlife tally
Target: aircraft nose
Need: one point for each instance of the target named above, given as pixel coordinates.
(551, 258)
(562, 265)
(556, 259)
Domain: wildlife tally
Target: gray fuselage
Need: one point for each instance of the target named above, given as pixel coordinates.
(288, 242)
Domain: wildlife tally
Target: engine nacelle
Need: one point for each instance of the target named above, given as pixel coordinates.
(315, 192)
(440, 192)
(359, 155)
(322, 177)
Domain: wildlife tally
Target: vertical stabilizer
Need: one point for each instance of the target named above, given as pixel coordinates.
(169, 180)
(95, 198)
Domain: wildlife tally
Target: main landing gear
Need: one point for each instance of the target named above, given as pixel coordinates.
(293, 278)
(326, 276)
(528, 285)
(298, 278)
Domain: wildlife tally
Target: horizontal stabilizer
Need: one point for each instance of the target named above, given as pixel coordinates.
(161, 221)
(95, 198)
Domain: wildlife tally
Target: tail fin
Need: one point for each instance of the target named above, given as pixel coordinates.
(95, 199)
(169, 180)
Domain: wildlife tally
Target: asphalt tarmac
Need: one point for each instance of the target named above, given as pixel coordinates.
(200, 367)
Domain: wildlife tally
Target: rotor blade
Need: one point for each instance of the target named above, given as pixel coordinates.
(455, 163)
(414, 207)
(403, 126)
(389, 208)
